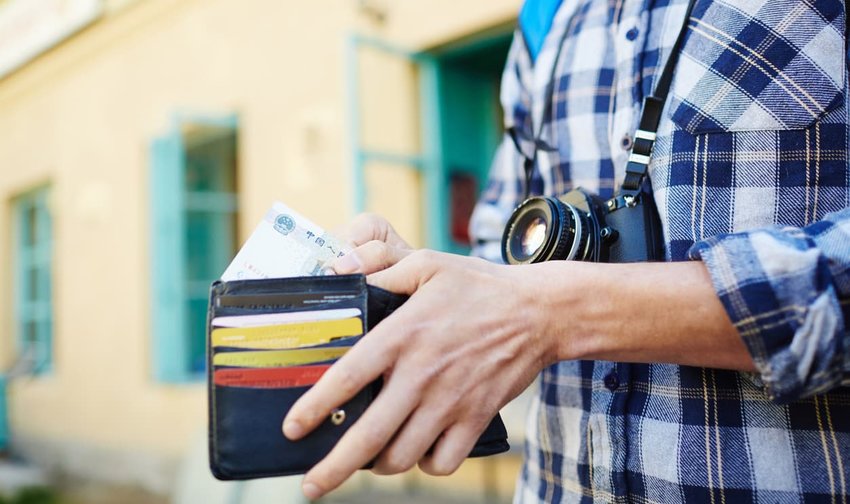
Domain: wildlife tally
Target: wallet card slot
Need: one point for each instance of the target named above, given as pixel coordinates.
(302, 334)
(253, 297)
(291, 285)
(327, 362)
(264, 378)
(345, 341)
(286, 300)
(285, 317)
(223, 311)
(278, 358)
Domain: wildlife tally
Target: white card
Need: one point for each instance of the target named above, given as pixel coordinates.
(263, 319)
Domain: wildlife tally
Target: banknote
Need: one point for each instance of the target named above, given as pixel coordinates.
(284, 244)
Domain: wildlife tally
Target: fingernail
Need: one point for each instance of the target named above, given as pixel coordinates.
(292, 429)
(349, 263)
(311, 491)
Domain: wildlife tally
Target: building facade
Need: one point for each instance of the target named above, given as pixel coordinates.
(144, 139)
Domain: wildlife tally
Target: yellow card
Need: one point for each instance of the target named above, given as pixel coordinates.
(282, 336)
(278, 358)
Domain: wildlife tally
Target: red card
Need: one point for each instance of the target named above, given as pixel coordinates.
(296, 376)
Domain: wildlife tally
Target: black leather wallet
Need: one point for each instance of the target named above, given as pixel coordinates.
(245, 437)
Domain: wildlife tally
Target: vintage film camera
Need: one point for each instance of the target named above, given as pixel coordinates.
(581, 226)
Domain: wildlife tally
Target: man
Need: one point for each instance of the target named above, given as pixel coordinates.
(717, 376)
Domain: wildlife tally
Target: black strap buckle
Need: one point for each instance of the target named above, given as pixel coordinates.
(641, 152)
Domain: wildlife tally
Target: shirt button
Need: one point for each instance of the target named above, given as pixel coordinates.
(626, 142)
(612, 381)
(632, 34)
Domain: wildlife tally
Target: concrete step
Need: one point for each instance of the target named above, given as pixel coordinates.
(15, 475)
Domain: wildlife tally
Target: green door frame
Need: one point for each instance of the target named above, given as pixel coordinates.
(360, 155)
(431, 161)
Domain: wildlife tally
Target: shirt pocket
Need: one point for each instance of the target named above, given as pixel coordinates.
(759, 65)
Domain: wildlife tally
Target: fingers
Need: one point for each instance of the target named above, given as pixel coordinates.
(363, 441)
(367, 227)
(361, 365)
(411, 444)
(370, 257)
(408, 274)
(451, 449)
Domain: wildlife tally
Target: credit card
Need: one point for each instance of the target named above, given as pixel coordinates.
(278, 358)
(292, 335)
(284, 318)
(298, 376)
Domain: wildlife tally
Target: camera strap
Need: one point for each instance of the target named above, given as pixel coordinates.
(653, 105)
(644, 138)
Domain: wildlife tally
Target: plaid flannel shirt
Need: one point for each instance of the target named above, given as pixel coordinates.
(750, 175)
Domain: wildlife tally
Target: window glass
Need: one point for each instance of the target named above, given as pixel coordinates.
(209, 216)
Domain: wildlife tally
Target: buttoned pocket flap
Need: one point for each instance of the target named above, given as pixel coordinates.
(759, 65)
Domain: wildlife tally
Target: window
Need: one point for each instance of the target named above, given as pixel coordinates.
(33, 279)
(193, 190)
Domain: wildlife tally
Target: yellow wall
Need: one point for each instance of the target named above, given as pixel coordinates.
(81, 117)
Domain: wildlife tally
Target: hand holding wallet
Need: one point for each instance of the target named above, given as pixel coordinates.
(268, 341)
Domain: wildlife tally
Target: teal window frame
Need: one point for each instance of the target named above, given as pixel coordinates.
(4, 413)
(175, 339)
(33, 284)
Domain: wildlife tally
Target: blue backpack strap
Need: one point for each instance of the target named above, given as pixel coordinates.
(535, 20)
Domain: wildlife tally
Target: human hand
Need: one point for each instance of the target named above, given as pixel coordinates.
(376, 243)
(464, 344)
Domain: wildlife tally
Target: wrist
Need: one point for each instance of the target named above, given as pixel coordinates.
(584, 307)
(637, 312)
(562, 294)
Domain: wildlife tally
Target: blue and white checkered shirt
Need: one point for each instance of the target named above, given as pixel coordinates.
(750, 175)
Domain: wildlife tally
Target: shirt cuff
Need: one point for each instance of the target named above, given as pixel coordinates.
(776, 287)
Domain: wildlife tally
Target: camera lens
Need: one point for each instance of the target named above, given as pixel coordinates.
(534, 236)
(530, 235)
(542, 229)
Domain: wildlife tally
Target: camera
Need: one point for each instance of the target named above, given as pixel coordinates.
(581, 226)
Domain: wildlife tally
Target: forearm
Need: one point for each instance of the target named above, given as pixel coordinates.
(641, 312)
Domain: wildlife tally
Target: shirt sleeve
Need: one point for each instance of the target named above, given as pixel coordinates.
(787, 290)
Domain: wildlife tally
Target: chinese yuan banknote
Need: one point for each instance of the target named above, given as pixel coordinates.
(284, 244)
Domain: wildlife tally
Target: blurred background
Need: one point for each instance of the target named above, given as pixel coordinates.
(140, 143)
